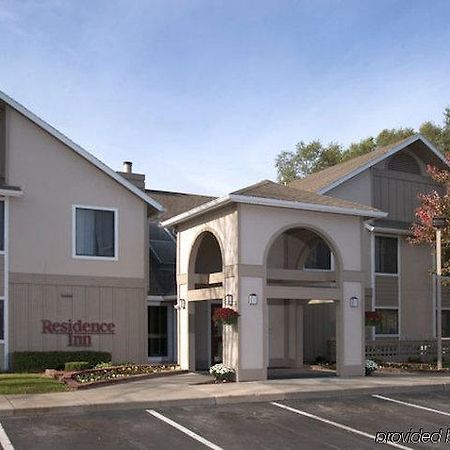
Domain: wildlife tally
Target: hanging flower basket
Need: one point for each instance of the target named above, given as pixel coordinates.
(372, 318)
(226, 316)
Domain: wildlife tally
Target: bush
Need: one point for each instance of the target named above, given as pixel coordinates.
(76, 365)
(103, 365)
(39, 361)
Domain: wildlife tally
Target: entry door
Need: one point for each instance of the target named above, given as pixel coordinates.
(216, 338)
(158, 336)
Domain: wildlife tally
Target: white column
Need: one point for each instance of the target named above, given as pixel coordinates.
(183, 329)
(350, 332)
(253, 331)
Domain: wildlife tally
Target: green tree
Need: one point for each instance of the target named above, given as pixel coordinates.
(306, 159)
(313, 156)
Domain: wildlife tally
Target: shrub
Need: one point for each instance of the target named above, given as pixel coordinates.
(371, 366)
(103, 365)
(39, 361)
(76, 365)
(221, 372)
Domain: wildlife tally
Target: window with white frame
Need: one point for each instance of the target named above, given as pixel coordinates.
(388, 324)
(386, 255)
(95, 232)
(319, 257)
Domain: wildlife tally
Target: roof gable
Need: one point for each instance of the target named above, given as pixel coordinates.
(327, 179)
(80, 151)
(269, 193)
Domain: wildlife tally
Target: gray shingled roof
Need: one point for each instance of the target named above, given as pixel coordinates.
(176, 203)
(272, 190)
(325, 177)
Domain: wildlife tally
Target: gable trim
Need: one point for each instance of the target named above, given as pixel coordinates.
(80, 151)
(263, 201)
(395, 149)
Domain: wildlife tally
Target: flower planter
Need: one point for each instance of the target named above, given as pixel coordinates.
(372, 318)
(225, 316)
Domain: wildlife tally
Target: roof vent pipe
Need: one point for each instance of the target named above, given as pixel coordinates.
(127, 166)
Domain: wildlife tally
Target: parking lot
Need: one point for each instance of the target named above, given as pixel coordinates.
(342, 423)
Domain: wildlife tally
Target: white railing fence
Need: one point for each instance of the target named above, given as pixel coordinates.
(399, 350)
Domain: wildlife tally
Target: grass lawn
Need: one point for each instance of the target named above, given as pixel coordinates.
(28, 383)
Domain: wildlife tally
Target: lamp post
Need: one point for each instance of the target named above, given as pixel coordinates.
(439, 223)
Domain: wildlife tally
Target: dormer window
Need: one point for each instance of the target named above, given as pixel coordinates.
(402, 162)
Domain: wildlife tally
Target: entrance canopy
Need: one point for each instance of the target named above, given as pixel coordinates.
(269, 241)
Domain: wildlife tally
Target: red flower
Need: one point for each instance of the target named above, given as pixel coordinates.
(373, 318)
(225, 315)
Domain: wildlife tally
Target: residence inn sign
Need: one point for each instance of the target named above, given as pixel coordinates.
(79, 333)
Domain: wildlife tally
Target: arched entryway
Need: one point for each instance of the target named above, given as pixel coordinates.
(205, 281)
(302, 289)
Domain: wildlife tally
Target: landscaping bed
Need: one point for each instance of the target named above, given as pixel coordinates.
(88, 378)
(396, 367)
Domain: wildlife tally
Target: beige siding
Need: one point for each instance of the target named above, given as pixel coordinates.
(368, 298)
(396, 193)
(2, 275)
(357, 189)
(90, 299)
(416, 292)
(386, 291)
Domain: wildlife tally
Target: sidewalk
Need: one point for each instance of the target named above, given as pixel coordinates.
(192, 389)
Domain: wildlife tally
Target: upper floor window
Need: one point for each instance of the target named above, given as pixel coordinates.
(319, 257)
(402, 162)
(386, 255)
(95, 233)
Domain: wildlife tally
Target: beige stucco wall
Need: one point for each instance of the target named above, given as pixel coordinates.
(259, 225)
(53, 178)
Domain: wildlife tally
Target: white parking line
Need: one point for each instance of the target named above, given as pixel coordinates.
(4, 439)
(412, 405)
(337, 425)
(184, 430)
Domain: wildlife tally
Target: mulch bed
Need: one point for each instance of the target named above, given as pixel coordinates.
(396, 367)
(69, 378)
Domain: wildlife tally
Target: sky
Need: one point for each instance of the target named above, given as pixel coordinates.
(202, 95)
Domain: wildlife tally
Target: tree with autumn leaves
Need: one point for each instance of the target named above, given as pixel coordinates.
(434, 204)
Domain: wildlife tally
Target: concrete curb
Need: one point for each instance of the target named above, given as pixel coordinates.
(221, 400)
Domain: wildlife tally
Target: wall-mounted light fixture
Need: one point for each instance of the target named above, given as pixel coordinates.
(181, 304)
(228, 300)
(354, 302)
(252, 299)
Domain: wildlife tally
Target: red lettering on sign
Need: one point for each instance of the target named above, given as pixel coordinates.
(47, 326)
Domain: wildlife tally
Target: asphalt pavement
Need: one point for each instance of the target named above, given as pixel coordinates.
(356, 422)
